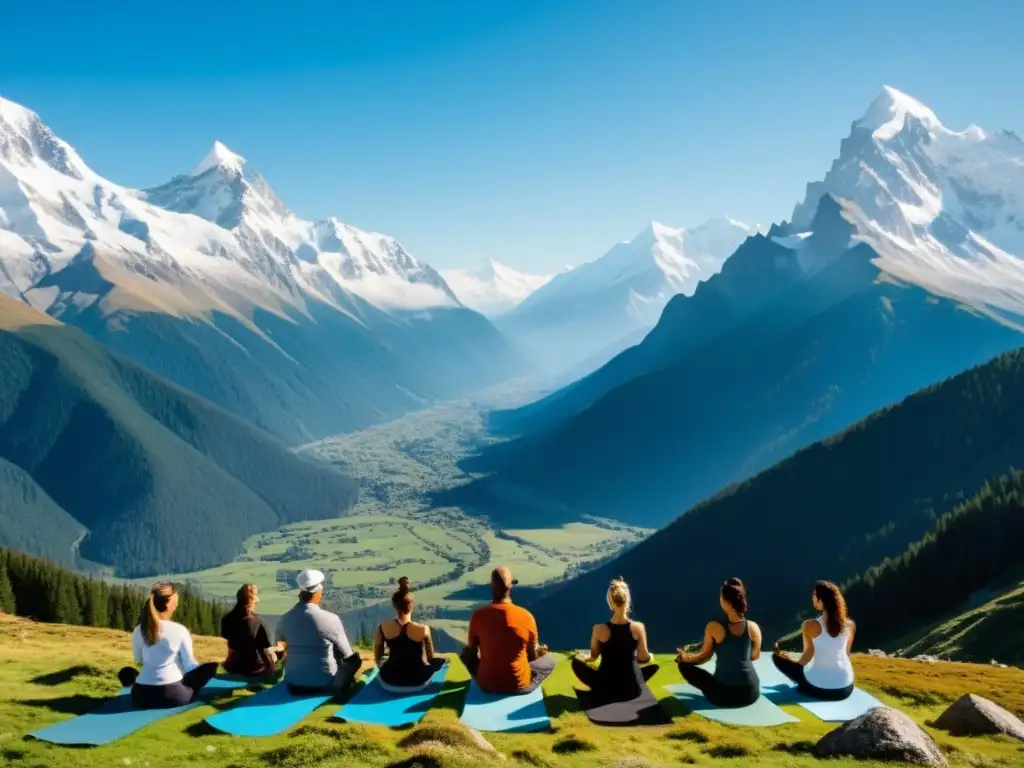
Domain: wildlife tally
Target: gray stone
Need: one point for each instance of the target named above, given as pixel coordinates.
(882, 734)
(972, 715)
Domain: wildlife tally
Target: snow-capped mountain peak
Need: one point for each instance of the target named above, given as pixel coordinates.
(887, 115)
(945, 208)
(251, 250)
(493, 288)
(219, 157)
(26, 140)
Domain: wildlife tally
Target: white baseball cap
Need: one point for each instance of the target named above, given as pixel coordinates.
(310, 580)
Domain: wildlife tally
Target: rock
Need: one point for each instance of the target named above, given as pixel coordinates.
(926, 657)
(882, 734)
(878, 654)
(972, 715)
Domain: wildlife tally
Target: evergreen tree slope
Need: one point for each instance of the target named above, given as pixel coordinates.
(162, 480)
(43, 590)
(830, 511)
(973, 547)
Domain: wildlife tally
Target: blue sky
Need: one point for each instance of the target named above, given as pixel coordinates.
(537, 132)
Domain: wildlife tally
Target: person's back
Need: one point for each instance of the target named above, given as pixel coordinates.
(733, 666)
(247, 639)
(318, 654)
(504, 631)
(307, 629)
(617, 669)
(166, 660)
(830, 668)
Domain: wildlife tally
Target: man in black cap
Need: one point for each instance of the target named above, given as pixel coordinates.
(503, 654)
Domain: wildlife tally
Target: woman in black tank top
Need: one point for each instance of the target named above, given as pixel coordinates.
(621, 645)
(735, 643)
(409, 661)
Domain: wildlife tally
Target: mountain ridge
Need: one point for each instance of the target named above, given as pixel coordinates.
(328, 328)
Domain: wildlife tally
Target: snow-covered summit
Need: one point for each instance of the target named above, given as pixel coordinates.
(590, 309)
(945, 207)
(217, 238)
(493, 288)
(887, 115)
(219, 157)
(27, 142)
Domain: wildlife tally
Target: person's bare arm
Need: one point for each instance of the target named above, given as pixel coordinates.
(643, 655)
(706, 651)
(755, 640)
(378, 645)
(595, 643)
(808, 634)
(852, 628)
(428, 644)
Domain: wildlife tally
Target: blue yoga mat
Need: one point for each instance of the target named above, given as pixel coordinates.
(117, 718)
(508, 713)
(761, 713)
(266, 713)
(850, 708)
(375, 706)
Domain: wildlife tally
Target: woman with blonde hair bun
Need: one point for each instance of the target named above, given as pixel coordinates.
(620, 645)
(170, 676)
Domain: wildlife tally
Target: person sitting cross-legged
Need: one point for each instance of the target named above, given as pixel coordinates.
(250, 652)
(735, 643)
(823, 670)
(319, 657)
(620, 645)
(404, 649)
(503, 654)
(170, 675)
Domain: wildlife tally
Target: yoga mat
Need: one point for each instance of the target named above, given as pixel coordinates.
(761, 713)
(117, 718)
(374, 705)
(266, 713)
(644, 709)
(508, 713)
(843, 711)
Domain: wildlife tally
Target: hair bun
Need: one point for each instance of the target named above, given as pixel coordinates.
(403, 584)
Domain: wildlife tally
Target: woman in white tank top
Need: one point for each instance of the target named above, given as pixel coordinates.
(824, 670)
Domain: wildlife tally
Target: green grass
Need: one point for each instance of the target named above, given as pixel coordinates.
(990, 630)
(50, 672)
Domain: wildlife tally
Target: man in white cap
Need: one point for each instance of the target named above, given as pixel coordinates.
(320, 657)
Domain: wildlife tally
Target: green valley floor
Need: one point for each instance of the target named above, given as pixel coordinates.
(50, 672)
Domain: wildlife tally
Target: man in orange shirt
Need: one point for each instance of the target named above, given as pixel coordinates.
(503, 654)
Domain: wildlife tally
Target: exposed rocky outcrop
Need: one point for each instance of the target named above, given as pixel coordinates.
(972, 715)
(882, 734)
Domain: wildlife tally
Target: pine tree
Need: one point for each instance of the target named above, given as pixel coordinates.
(7, 602)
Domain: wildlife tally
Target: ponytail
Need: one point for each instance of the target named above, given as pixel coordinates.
(156, 603)
(402, 599)
(835, 607)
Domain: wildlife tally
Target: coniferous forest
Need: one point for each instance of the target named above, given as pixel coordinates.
(975, 545)
(42, 590)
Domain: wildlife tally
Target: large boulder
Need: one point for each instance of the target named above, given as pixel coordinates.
(972, 715)
(882, 734)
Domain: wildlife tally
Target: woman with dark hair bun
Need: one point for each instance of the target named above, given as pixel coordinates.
(824, 670)
(735, 643)
(403, 649)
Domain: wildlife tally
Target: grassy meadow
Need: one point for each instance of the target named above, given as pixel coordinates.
(51, 672)
(395, 529)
